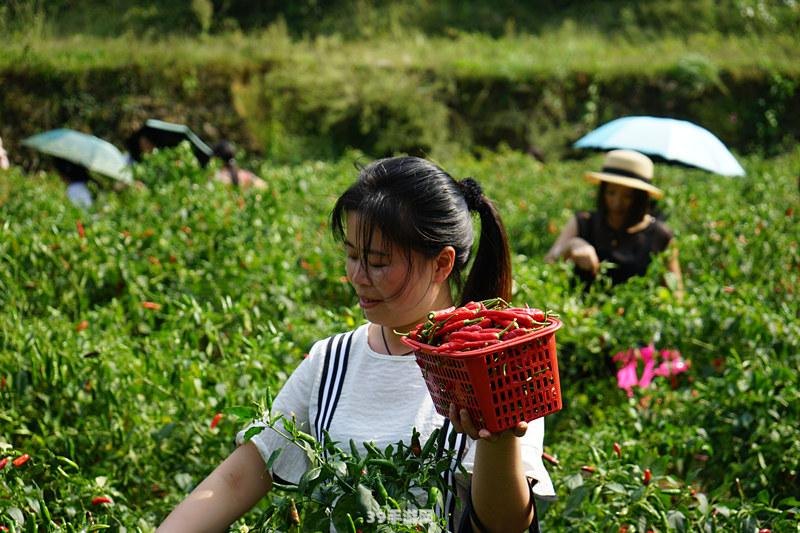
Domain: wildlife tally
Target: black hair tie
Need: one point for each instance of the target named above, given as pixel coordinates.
(472, 192)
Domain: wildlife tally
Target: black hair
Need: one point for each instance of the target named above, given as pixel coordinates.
(640, 205)
(71, 172)
(226, 151)
(419, 207)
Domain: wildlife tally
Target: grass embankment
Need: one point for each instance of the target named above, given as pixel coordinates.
(292, 99)
(111, 397)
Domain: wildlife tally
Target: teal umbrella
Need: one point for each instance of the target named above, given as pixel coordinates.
(167, 135)
(92, 152)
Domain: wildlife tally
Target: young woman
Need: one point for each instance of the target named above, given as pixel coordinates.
(407, 232)
(621, 230)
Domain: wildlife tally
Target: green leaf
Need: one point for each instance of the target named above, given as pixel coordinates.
(272, 457)
(616, 488)
(252, 432)
(242, 412)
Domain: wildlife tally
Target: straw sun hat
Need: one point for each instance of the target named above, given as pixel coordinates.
(627, 168)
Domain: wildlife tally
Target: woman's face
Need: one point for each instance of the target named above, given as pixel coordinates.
(391, 292)
(618, 200)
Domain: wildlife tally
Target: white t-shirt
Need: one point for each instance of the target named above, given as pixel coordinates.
(383, 397)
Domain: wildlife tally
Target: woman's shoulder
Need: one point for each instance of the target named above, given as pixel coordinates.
(339, 342)
(661, 228)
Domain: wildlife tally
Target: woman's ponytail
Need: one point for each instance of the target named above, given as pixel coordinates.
(490, 275)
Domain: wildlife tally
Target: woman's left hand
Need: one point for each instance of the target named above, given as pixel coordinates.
(462, 423)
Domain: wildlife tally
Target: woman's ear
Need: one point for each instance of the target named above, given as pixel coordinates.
(444, 263)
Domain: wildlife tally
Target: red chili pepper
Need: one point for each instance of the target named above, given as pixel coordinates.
(469, 336)
(523, 319)
(463, 346)
(453, 326)
(82, 325)
(81, 231)
(21, 460)
(647, 476)
(618, 449)
(514, 333)
(416, 446)
(294, 516)
(537, 314)
(550, 459)
(3, 462)
(151, 305)
(215, 420)
(588, 469)
(101, 500)
(436, 316)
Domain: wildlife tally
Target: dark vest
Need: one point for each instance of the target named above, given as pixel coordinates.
(630, 252)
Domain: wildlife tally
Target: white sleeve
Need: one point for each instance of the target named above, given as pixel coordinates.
(532, 445)
(293, 402)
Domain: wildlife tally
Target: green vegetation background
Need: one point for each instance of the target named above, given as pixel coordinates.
(111, 398)
(301, 80)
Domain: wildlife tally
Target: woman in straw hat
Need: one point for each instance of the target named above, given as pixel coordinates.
(621, 231)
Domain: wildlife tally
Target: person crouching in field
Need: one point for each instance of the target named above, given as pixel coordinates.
(407, 232)
(231, 173)
(621, 230)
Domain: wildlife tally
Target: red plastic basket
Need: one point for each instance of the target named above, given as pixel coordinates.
(499, 385)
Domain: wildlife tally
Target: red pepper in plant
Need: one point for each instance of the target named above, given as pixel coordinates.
(294, 516)
(3, 462)
(618, 450)
(101, 500)
(416, 446)
(215, 420)
(151, 305)
(82, 325)
(647, 476)
(81, 231)
(588, 469)
(550, 459)
(21, 460)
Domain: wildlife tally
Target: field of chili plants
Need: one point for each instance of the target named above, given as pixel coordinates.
(138, 337)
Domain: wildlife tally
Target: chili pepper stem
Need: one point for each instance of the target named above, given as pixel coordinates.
(508, 327)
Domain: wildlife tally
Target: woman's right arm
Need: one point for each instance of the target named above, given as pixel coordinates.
(573, 248)
(231, 490)
(561, 247)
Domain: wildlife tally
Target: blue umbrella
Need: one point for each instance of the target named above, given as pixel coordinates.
(83, 149)
(677, 141)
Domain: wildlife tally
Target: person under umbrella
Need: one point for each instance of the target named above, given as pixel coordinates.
(621, 230)
(77, 178)
(160, 134)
